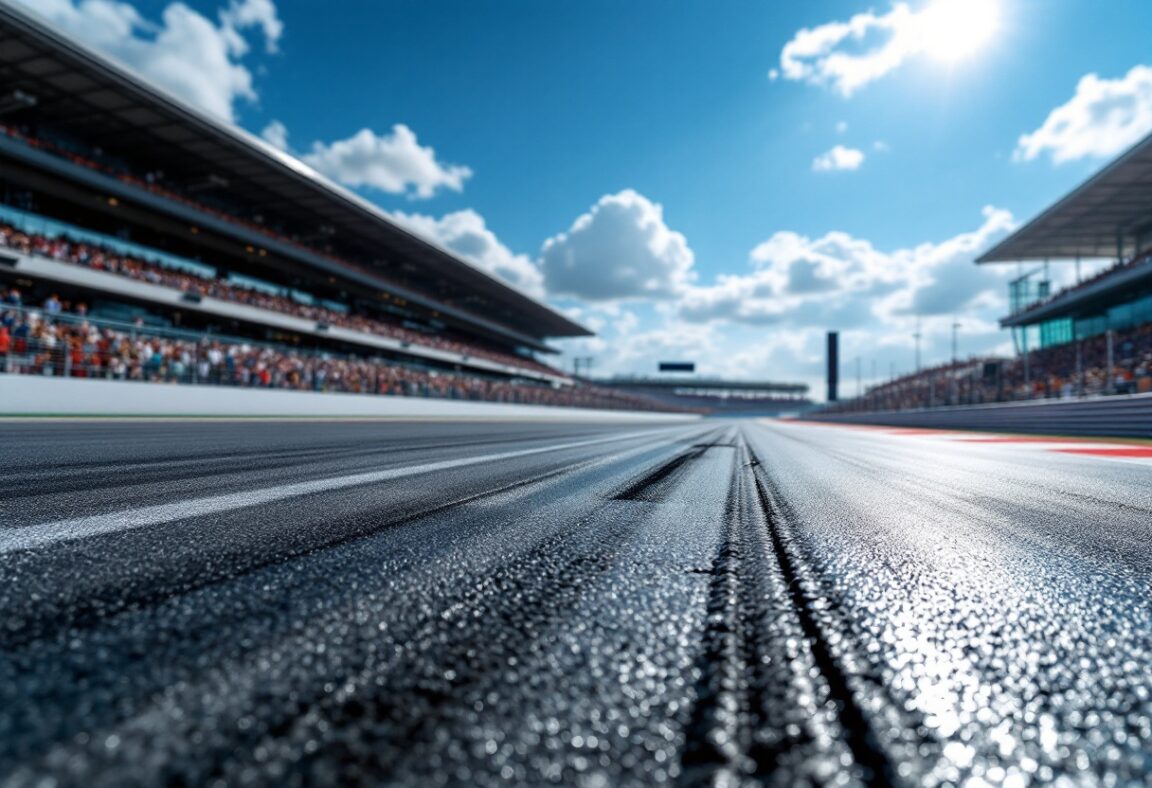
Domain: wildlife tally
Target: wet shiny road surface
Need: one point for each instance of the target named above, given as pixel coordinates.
(270, 603)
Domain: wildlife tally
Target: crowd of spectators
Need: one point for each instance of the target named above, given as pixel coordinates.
(1073, 369)
(52, 341)
(100, 258)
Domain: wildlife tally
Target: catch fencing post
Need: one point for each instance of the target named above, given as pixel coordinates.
(1079, 371)
(1027, 366)
(1111, 385)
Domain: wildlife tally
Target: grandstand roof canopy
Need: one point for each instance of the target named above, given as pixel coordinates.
(118, 110)
(1108, 216)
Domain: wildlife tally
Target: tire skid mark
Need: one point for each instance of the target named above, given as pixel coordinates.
(764, 710)
(831, 650)
(655, 485)
(713, 751)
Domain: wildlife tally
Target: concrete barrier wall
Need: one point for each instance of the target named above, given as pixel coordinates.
(27, 395)
(1127, 416)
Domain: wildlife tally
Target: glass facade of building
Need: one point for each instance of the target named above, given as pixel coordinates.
(1125, 316)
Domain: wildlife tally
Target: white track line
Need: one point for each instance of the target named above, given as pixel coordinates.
(44, 534)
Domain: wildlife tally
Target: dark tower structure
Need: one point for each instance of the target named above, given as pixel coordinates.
(833, 365)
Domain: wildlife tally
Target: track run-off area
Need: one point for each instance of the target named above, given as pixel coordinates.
(190, 602)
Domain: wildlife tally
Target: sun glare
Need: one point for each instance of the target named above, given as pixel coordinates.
(956, 29)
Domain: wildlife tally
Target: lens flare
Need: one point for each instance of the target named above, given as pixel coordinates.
(956, 29)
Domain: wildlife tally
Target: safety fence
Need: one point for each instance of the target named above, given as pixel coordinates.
(1115, 416)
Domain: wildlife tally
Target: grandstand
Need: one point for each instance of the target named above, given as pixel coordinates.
(124, 206)
(716, 396)
(1091, 338)
(1096, 335)
(1108, 217)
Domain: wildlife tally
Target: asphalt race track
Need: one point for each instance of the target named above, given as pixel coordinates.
(286, 603)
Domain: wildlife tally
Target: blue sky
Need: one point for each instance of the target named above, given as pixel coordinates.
(714, 182)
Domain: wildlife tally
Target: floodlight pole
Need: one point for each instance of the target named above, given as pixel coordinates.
(952, 393)
(1079, 370)
(916, 336)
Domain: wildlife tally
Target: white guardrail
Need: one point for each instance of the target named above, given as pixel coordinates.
(1116, 416)
(31, 395)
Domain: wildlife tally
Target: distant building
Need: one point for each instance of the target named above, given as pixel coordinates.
(717, 396)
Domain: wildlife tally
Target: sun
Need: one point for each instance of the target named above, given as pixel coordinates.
(956, 29)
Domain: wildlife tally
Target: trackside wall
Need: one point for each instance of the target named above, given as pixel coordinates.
(1122, 416)
(25, 395)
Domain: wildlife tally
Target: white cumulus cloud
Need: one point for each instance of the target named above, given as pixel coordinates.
(466, 234)
(841, 280)
(242, 14)
(769, 321)
(1104, 117)
(395, 163)
(823, 55)
(620, 249)
(196, 58)
(276, 135)
(847, 55)
(838, 158)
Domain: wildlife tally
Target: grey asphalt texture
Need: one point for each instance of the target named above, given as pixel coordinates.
(726, 602)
